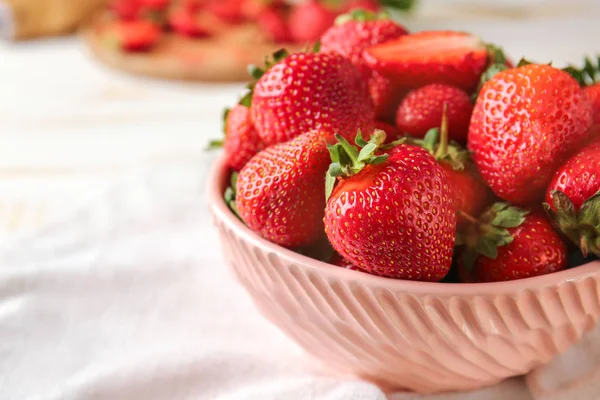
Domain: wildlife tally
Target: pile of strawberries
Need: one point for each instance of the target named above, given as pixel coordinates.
(361, 144)
(138, 25)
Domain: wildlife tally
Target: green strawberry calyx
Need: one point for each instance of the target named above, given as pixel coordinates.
(483, 236)
(218, 143)
(360, 15)
(230, 194)
(257, 72)
(436, 143)
(586, 75)
(348, 160)
(581, 226)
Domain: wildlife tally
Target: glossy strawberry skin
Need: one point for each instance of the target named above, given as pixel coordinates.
(579, 177)
(535, 250)
(422, 110)
(526, 122)
(350, 40)
(309, 20)
(395, 219)
(241, 139)
(311, 91)
(470, 193)
(454, 58)
(281, 191)
(133, 36)
(593, 93)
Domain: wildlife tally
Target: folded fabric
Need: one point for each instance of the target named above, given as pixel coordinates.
(128, 297)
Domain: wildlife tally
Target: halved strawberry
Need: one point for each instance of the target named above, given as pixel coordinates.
(453, 58)
(137, 35)
(186, 22)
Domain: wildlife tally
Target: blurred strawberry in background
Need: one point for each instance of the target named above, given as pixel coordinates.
(278, 20)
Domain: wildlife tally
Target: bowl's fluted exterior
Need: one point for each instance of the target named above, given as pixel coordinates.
(426, 337)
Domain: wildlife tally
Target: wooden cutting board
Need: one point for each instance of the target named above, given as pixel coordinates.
(221, 58)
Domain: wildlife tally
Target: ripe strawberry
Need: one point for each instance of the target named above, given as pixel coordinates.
(367, 5)
(125, 9)
(421, 111)
(186, 22)
(273, 21)
(390, 214)
(280, 191)
(573, 199)
(521, 130)
(307, 91)
(241, 139)
(508, 243)
(227, 10)
(350, 36)
(137, 35)
(593, 93)
(156, 5)
(471, 195)
(418, 59)
(309, 20)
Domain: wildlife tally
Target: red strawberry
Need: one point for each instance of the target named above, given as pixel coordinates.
(508, 243)
(350, 36)
(390, 214)
(309, 20)
(471, 195)
(186, 22)
(573, 199)
(227, 10)
(367, 5)
(593, 93)
(421, 111)
(281, 191)
(125, 9)
(307, 91)
(137, 35)
(241, 139)
(521, 130)
(415, 60)
(157, 5)
(273, 21)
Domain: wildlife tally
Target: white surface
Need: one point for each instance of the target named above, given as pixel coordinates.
(129, 298)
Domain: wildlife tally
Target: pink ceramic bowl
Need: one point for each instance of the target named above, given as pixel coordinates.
(425, 337)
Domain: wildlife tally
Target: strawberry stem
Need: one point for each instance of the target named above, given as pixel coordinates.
(442, 149)
(347, 160)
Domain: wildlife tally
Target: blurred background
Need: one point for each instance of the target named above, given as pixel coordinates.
(86, 95)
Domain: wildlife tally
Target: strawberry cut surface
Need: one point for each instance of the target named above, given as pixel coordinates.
(454, 58)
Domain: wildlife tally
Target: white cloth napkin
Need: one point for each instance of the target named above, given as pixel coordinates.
(128, 297)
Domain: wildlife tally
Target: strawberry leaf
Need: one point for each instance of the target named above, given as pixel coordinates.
(496, 54)
(523, 62)
(506, 216)
(483, 236)
(230, 194)
(401, 5)
(348, 160)
(430, 141)
(586, 75)
(581, 226)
